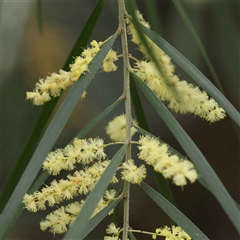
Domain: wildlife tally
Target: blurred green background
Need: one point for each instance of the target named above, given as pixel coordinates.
(28, 54)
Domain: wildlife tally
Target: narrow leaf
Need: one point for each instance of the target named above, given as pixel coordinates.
(51, 135)
(115, 215)
(85, 33)
(193, 231)
(37, 184)
(39, 16)
(132, 237)
(198, 41)
(203, 167)
(194, 73)
(96, 120)
(27, 152)
(78, 228)
(145, 41)
(138, 109)
(93, 222)
(153, 15)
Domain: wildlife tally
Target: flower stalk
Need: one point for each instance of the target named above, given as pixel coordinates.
(126, 67)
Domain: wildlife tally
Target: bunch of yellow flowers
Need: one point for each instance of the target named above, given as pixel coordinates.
(90, 153)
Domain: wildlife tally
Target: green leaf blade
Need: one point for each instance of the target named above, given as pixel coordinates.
(137, 105)
(198, 41)
(77, 229)
(39, 16)
(93, 222)
(85, 33)
(153, 15)
(177, 216)
(132, 237)
(96, 120)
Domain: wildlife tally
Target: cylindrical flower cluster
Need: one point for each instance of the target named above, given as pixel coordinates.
(81, 182)
(52, 86)
(59, 220)
(81, 151)
(182, 96)
(170, 166)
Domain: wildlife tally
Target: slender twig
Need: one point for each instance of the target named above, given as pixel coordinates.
(126, 66)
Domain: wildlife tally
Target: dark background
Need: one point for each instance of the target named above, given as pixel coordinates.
(27, 55)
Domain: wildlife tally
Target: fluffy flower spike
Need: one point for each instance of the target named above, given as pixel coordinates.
(181, 96)
(81, 151)
(81, 182)
(157, 155)
(52, 86)
(59, 220)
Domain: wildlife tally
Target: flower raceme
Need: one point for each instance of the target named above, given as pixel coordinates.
(80, 151)
(170, 166)
(182, 97)
(59, 220)
(80, 183)
(52, 86)
(90, 153)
